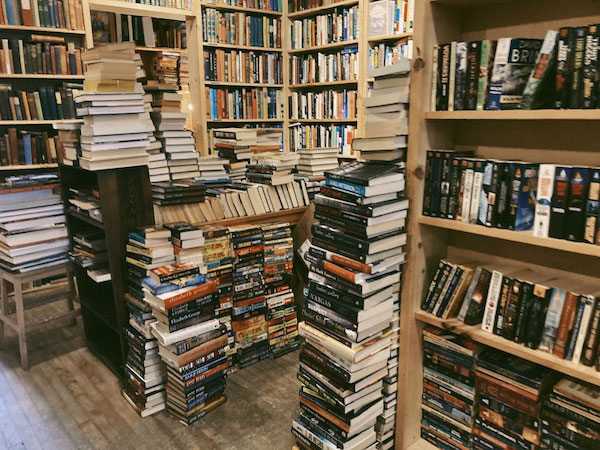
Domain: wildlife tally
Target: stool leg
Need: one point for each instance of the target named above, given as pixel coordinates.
(3, 303)
(21, 324)
(72, 294)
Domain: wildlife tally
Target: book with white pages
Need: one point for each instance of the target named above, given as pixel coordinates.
(109, 110)
(108, 154)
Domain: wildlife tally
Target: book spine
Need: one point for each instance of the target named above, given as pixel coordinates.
(592, 208)
(537, 316)
(522, 313)
(590, 347)
(502, 304)
(491, 303)
(590, 67)
(498, 74)
(588, 307)
(575, 220)
(452, 76)
(563, 59)
(575, 92)
(544, 200)
(574, 332)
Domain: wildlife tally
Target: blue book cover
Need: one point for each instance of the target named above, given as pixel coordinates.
(27, 148)
(10, 13)
(526, 200)
(345, 186)
(161, 288)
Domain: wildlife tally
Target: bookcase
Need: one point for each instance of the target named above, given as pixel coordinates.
(545, 136)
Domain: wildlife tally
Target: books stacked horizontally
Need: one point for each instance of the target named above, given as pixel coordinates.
(316, 161)
(86, 201)
(69, 149)
(249, 302)
(386, 111)
(571, 415)
(184, 72)
(272, 168)
(32, 223)
(217, 258)
(163, 68)
(212, 171)
(115, 126)
(177, 193)
(235, 145)
(536, 310)
(89, 250)
(282, 317)
(515, 387)
(157, 160)
(354, 261)
(448, 406)
(147, 248)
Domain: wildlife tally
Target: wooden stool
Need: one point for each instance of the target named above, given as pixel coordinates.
(18, 323)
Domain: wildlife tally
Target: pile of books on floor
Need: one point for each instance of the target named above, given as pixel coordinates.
(216, 254)
(316, 161)
(177, 193)
(249, 302)
(164, 68)
(282, 317)
(147, 249)
(448, 407)
(354, 265)
(212, 171)
(32, 223)
(115, 125)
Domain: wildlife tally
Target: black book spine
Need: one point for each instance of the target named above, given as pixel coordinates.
(428, 183)
(500, 310)
(592, 208)
(446, 166)
(455, 176)
(473, 62)
(439, 287)
(563, 76)
(525, 302)
(477, 305)
(590, 67)
(513, 196)
(537, 316)
(578, 192)
(436, 184)
(509, 316)
(590, 347)
(504, 196)
(575, 95)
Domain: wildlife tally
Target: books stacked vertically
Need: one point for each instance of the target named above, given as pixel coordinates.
(163, 68)
(66, 14)
(448, 406)
(69, 148)
(316, 161)
(177, 193)
(570, 416)
(282, 317)
(212, 171)
(249, 301)
(45, 103)
(510, 392)
(115, 126)
(216, 254)
(354, 261)
(32, 223)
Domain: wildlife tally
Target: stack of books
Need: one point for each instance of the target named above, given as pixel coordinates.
(69, 149)
(249, 302)
(570, 416)
(354, 264)
(184, 72)
(515, 387)
(315, 162)
(89, 252)
(157, 160)
(86, 201)
(311, 184)
(164, 68)
(272, 168)
(188, 241)
(268, 140)
(216, 254)
(32, 223)
(448, 388)
(178, 144)
(235, 145)
(177, 192)
(212, 171)
(282, 317)
(115, 126)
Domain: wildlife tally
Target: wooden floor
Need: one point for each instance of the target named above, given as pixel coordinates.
(69, 399)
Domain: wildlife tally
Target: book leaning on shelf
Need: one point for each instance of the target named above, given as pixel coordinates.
(40, 57)
(66, 14)
(46, 103)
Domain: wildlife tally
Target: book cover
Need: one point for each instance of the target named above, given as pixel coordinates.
(560, 199)
(539, 91)
(592, 207)
(486, 183)
(576, 88)
(543, 203)
(472, 76)
(478, 174)
(491, 303)
(575, 220)
(526, 198)
(460, 76)
(486, 61)
(521, 59)
(563, 64)
(590, 67)
(498, 74)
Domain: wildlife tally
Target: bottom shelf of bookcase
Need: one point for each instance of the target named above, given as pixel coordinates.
(579, 371)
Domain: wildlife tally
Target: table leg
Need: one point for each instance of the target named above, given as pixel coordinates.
(21, 324)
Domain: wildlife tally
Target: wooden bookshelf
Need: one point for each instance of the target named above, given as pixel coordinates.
(389, 38)
(291, 216)
(325, 47)
(39, 76)
(237, 84)
(324, 120)
(28, 167)
(324, 84)
(137, 9)
(320, 9)
(160, 49)
(231, 8)
(242, 47)
(545, 136)
(51, 30)
(245, 120)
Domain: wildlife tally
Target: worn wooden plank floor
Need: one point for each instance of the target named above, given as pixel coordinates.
(69, 399)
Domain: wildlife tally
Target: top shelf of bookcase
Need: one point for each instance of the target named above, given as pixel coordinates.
(320, 9)
(535, 114)
(26, 29)
(231, 8)
(136, 9)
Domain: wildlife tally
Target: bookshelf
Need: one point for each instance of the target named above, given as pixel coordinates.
(553, 136)
(291, 216)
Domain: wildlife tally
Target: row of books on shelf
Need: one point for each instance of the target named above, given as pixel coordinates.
(47, 103)
(178, 4)
(269, 5)
(19, 147)
(233, 66)
(323, 105)
(558, 71)
(550, 200)
(255, 103)
(302, 5)
(538, 310)
(240, 29)
(143, 30)
(315, 136)
(478, 397)
(388, 54)
(323, 67)
(340, 25)
(66, 14)
(391, 17)
(40, 57)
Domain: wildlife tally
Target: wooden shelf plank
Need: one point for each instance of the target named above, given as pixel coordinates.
(534, 114)
(29, 167)
(264, 12)
(291, 216)
(137, 9)
(236, 84)
(39, 76)
(160, 49)
(320, 9)
(23, 28)
(579, 371)
(422, 444)
(85, 218)
(241, 47)
(244, 120)
(332, 46)
(38, 122)
(389, 37)
(513, 236)
(324, 120)
(324, 84)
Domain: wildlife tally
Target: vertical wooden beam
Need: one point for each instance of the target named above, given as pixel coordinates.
(196, 71)
(363, 64)
(286, 45)
(87, 24)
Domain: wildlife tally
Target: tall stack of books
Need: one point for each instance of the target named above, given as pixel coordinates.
(216, 254)
(147, 248)
(212, 171)
(513, 388)
(282, 317)
(157, 161)
(354, 262)
(249, 302)
(571, 416)
(235, 145)
(316, 161)
(115, 125)
(32, 223)
(448, 388)
(164, 68)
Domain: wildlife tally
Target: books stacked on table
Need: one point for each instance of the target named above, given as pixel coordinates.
(272, 168)
(177, 192)
(354, 263)
(282, 317)
(217, 258)
(147, 248)
(448, 407)
(32, 223)
(212, 171)
(69, 148)
(570, 416)
(235, 145)
(164, 68)
(512, 388)
(316, 161)
(249, 302)
(115, 126)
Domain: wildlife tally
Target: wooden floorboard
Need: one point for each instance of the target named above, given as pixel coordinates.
(69, 399)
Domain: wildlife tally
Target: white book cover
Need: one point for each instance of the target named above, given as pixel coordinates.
(475, 196)
(491, 302)
(467, 194)
(452, 77)
(585, 321)
(543, 203)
